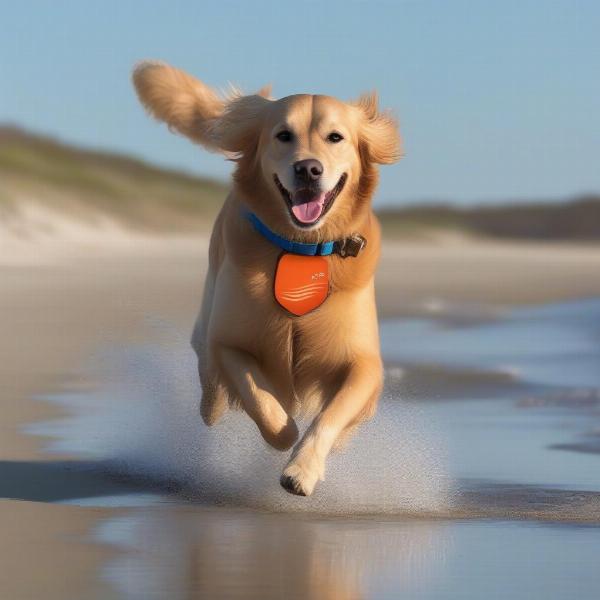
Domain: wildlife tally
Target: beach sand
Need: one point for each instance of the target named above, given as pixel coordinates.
(62, 298)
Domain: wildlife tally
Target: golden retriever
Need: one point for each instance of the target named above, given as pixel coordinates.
(306, 169)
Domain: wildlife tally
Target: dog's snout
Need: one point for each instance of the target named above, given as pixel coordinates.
(308, 170)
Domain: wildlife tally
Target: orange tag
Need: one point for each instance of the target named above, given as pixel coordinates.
(301, 282)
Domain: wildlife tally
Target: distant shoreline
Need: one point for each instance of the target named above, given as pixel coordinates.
(576, 219)
(91, 184)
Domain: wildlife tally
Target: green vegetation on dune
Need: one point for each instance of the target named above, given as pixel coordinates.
(124, 188)
(576, 219)
(86, 182)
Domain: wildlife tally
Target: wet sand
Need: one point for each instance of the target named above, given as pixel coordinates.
(53, 315)
(59, 304)
(468, 278)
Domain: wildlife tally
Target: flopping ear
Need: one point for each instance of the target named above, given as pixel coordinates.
(184, 103)
(265, 91)
(380, 137)
(237, 130)
(193, 109)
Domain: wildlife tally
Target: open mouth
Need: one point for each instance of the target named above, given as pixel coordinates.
(308, 205)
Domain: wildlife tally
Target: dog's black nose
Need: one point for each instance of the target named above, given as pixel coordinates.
(308, 170)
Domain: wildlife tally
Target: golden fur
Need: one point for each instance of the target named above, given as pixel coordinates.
(251, 353)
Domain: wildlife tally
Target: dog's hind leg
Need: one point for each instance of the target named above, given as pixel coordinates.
(214, 401)
(258, 398)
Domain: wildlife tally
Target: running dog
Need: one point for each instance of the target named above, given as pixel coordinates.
(288, 323)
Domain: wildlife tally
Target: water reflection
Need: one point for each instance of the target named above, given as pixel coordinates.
(191, 552)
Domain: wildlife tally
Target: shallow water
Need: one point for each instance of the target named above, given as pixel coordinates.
(231, 554)
(466, 484)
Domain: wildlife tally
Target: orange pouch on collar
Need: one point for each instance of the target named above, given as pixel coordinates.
(301, 282)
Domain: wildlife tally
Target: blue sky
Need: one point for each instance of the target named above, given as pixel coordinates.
(497, 100)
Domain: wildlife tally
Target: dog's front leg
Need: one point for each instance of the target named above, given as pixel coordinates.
(354, 402)
(258, 398)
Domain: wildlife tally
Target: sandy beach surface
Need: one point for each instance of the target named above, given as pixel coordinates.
(62, 298)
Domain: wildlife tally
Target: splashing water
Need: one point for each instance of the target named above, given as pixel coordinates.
(146, 421)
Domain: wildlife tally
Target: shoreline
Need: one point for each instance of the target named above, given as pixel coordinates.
(62, 298)
(101, 292)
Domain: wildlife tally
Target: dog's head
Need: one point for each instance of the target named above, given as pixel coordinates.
(305, 164)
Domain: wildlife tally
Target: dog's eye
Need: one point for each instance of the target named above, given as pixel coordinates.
(334, 137)
(284, 136)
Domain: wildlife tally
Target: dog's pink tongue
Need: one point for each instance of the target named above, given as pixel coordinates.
(307, 208)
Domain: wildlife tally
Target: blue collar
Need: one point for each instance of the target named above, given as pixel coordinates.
(350, 246)
(321, 249)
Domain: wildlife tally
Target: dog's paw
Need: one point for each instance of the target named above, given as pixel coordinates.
(298, 481)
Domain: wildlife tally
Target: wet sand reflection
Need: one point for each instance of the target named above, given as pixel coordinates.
(220, 553)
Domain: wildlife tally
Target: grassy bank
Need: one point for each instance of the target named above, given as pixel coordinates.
(69, 178)
(577, 220)
(85, 184)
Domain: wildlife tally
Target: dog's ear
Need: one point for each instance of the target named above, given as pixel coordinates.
(184, 103)
(265, 91)
(193, 109)
(379, 134)
(237, 130)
